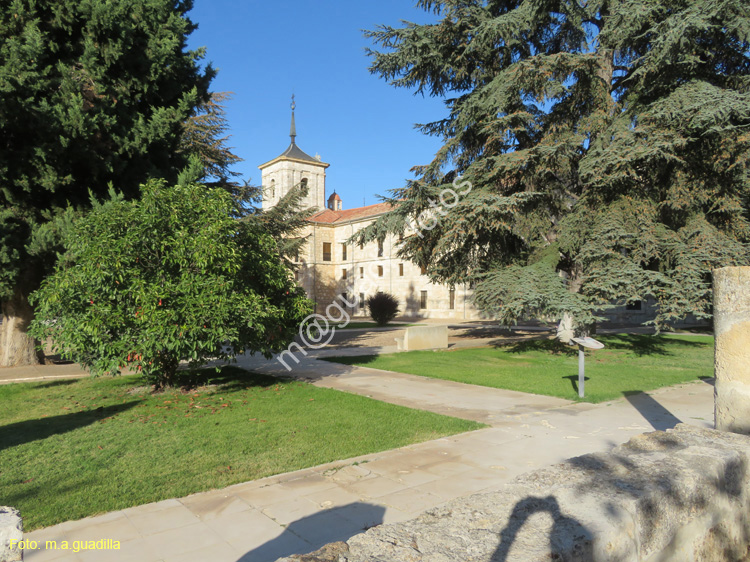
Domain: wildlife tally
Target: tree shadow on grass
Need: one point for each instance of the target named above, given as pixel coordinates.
(643, 344)
(19, 433)
(554, 346)
(228, 378)
(52, 384)
(638, 344)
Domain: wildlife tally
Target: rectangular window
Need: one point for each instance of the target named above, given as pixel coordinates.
(361, 272)
(452, 297)
(343, 273)
(423, 300)
(361, 301)
(401, 270)
(423, 270)
(380, 248)
(380, 271)
(343, 252)
(635, 305)
(326, 251)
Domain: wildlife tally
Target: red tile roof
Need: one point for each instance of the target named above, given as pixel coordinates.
(331, 217)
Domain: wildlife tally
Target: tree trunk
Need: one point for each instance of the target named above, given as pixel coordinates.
(17, 348)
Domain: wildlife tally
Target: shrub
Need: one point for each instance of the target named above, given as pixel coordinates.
(171, 277)
(383, 308)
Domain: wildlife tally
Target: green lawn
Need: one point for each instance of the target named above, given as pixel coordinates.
(629, 363)
(73, 448)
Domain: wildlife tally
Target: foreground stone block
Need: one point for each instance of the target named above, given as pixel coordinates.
(423, 337)
(732, 348)
(11, 529)
(681, 496)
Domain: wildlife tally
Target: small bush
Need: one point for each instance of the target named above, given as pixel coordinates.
(383, 308)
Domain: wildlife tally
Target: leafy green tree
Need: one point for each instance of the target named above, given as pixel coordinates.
(91, 93)
(171, 277)
(593, 152)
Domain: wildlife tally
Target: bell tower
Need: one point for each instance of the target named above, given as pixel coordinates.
(294, 168)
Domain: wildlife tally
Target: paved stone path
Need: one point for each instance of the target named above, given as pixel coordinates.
(298, 512)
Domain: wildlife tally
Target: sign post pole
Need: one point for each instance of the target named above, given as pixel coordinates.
(583, 343)
(581, 370)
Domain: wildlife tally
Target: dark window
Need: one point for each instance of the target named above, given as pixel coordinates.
(635, 305)
(361, 272)
(343, 273)
(401, 270)
(326, 251)
(343, 252)
(273, 189)
(423, 300)
(380, 271)
(361, 301)
(452, 304)
(303, 183)
(380, 248)
(423, 270)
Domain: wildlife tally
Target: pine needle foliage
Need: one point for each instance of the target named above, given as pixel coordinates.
(286, 221)
(205, 135)
(605, 146)
(91, 94)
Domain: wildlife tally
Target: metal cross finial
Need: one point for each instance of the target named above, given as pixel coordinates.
(293, 128)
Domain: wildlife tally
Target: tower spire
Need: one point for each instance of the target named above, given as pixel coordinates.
(293, 129)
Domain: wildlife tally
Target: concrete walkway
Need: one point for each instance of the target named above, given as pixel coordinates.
(298, 512)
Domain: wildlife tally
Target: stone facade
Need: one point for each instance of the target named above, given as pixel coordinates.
(331, 270)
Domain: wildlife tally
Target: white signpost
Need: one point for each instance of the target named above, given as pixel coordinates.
(584, 343)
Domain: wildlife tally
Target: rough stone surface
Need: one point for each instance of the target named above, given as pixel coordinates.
(11, 528)
(732, 348)
(681, 495)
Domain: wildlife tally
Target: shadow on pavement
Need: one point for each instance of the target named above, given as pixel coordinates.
(653, 412)
(314, 531)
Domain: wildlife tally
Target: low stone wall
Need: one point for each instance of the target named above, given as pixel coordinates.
(423, 337)
(11, 529)
(681, 496)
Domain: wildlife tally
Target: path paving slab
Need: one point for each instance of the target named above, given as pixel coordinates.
(298, 512)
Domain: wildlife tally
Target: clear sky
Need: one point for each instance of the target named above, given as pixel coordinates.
(361, 126)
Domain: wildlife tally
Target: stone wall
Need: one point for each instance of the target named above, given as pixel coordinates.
(11, 529)
(681, 496)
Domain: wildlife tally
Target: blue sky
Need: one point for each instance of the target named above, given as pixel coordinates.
(364, 128)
